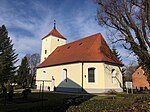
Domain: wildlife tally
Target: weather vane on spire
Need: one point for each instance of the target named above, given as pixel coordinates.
(54, 24)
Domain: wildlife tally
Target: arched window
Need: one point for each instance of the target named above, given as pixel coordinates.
(91, 74)
(65, 75)
(114, 80)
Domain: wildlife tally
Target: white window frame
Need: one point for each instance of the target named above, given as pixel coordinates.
(94, 75)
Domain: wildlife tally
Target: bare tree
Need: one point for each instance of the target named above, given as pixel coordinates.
(34, 60)
(129, 24)
(130, 69)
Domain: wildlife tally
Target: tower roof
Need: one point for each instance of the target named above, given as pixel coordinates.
(90, 49)
(54, 32)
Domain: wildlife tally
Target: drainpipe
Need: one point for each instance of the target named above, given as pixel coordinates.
(82, 76)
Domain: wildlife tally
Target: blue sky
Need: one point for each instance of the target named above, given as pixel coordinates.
(27, 21)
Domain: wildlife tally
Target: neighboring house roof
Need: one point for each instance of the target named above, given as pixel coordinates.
(90, 49)
(139, 79)
(54, 32)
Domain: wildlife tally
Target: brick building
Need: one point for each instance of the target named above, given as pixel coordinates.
(139, 79)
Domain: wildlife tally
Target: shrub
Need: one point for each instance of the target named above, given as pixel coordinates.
(26, 92)
(11, 92)
(141, 88)
(145, 89)
(18, 87)
(0, 89)
(111, 92)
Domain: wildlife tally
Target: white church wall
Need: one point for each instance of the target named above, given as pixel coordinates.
(49, 44)
(103, 77)
(73, 75)
(113, 77)
(56, 42)
(99, 75)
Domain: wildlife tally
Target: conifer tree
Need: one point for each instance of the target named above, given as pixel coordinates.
(118, 56)
(116, 53)
(23, 77)
(8, 57)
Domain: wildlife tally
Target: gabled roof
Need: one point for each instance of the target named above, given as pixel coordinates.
(139, 78)
(90, 49)
(54, 32)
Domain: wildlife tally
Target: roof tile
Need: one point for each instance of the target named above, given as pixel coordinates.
(54, 32)
(90, 49)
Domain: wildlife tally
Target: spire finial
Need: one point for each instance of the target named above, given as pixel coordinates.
(54, 24)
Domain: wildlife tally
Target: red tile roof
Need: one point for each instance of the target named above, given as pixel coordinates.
(54, 32)
(90, 49)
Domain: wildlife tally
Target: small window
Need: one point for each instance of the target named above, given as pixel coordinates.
(65, 75)
(80, 44)
(45, 51)
(57, 39)
(112, 70)
(53, 78)
(91, 75)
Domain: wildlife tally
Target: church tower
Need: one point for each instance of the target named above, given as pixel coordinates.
(50, 42)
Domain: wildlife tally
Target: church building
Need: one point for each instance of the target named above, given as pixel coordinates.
(85, 65)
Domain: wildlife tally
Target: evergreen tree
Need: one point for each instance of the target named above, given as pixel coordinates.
(8, 57)
(118, 56)
(116, 53)
(23, 77)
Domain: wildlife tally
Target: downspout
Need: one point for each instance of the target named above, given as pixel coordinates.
(82, 76)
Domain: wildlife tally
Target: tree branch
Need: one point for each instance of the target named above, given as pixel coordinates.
(144, 27)
(135, 28)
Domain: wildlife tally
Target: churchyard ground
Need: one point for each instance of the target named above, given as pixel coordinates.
(60, 102)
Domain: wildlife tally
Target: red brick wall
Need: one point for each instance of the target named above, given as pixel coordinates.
(139, 79)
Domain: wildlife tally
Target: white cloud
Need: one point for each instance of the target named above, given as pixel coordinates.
(23, 43)
(38, 21)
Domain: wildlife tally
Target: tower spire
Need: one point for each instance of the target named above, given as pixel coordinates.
(54, 24)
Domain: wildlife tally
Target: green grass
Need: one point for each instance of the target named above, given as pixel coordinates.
(58, 102)
(33, 103)
(20, 90)
(121, 103)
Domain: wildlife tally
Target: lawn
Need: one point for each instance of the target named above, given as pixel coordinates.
(120, 103)
(51, 102)
(58, 102)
